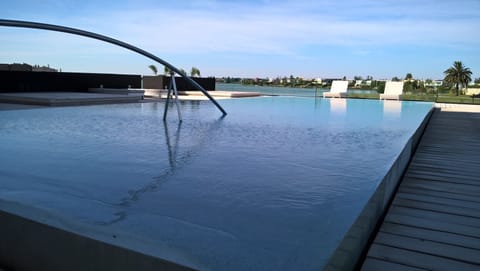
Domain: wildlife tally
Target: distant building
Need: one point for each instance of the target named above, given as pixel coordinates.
(26, 68)
(434, 83)
(363, 83)
(328, 81)
(16, 67)
(38, 68)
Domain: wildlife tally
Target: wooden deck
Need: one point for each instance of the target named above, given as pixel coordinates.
(434, 220)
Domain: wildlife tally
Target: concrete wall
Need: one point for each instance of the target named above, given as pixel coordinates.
(153, 82)
(22, 81)
(162, 82)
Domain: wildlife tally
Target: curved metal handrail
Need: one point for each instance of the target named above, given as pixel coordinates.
(58, 28)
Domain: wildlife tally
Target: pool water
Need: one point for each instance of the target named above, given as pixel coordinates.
(273, 186)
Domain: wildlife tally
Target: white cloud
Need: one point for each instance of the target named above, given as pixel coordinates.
(284, 28)
(297, 30)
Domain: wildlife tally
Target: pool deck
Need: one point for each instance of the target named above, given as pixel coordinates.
(433, 222)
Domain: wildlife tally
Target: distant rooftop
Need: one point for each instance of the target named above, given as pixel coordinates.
(26, 67)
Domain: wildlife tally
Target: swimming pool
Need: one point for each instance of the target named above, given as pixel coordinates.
(273, 186)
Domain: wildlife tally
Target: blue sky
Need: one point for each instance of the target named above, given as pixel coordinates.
(307, 38)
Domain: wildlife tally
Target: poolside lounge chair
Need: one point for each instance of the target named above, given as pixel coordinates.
(338, 89)
(393, 91)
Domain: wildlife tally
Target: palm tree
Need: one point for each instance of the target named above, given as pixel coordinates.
(396, 79)
(409, 76)
(154, 69)
(457, 75)
(194, 72)
(166, 70)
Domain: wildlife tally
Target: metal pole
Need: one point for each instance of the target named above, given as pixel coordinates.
(58, 28)
(167, 101)
(176, 97)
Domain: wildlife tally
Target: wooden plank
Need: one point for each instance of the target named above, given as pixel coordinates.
(459, 253)
(422, 186)
(418, 260)
(432, 235)
(467, 173)
(447, 178)
(427, 158)
(441, 186)
(474, 200)
(372, 264)
(402, 194)
(436, 216)
(445, 226)
(437, 207)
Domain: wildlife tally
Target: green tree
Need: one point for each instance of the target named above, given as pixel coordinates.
(381, 86)
(457, 75)
(194, 72)
(154, 69)
(409, 76)
(396, 79)
(408, 86)
(292, 81)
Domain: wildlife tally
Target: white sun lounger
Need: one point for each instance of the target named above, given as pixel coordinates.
(393, 91)
(338, 89)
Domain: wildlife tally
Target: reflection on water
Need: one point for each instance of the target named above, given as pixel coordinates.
(338, 106)
(392, 108)
(172, 150)
(176, 161)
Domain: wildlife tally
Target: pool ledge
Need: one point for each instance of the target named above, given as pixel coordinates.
(353, 245)
(68, 98)
(29, 245)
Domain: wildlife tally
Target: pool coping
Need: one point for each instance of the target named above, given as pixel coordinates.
(29, 245)
(355, 242)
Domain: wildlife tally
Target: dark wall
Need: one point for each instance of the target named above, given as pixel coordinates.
(162, 82)
(21, 81)
(155, 82)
